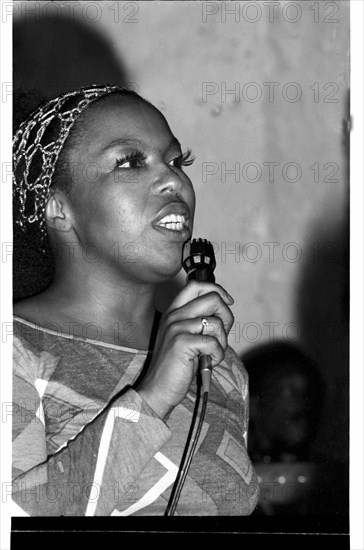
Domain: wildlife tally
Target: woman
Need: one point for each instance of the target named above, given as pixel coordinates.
(99, 174)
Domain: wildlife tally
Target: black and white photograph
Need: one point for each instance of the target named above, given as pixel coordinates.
(181, 272)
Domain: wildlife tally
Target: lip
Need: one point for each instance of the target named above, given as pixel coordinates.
(174, 234)
(175, 207)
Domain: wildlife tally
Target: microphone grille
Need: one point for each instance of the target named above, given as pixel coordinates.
(198, 253)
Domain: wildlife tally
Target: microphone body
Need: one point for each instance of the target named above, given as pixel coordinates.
(199, 264)
(202, 274)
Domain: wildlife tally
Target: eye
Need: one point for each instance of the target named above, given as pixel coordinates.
(131, 161)
(183, 160)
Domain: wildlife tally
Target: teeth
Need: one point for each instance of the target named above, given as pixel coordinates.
(178, 226)
(172, 219)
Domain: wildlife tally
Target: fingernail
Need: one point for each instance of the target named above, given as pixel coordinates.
(231, 298)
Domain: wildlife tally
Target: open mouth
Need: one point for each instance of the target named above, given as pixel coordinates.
(173, 222)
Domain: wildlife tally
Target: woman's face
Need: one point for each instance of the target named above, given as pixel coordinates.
(132, 202)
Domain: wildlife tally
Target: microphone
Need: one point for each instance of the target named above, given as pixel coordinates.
(199, 263)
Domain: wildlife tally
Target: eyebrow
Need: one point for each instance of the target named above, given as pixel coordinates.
(125, 141)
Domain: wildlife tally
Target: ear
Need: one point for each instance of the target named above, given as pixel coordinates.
(58, 213)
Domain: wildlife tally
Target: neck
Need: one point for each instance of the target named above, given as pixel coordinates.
(122, 308)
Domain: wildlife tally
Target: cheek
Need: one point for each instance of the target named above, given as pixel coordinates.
(122, 215)
(193, 208)
(191, 196)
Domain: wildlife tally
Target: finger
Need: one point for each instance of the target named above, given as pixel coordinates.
(205, 326)
(194, 289)
(213, 326)
(210, 305)
(195, 345)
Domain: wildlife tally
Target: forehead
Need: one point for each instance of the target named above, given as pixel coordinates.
(117, 116)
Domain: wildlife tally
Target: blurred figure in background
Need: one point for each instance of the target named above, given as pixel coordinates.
(286, 398)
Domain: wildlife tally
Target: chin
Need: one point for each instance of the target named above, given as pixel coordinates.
(166, 272)
(168, 264)
(157, 273)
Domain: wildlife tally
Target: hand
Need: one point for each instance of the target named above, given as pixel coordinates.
(180, 342)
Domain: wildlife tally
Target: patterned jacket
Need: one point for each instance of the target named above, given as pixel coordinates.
(85, 443)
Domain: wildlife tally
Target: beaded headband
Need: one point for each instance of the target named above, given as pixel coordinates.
(36, 148)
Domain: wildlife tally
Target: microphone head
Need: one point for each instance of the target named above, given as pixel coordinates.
(199, 260)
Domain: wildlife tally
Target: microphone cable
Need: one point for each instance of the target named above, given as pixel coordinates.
(199, 264)
(186, 457)
(185, 464)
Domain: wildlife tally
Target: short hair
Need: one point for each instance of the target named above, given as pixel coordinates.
(38, 145)
(40, 163)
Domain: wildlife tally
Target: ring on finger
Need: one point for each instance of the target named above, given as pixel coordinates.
(204, 323)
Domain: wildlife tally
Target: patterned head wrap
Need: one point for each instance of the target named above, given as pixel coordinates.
(36, 148)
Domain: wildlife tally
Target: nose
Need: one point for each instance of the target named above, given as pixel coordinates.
(169, 182)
